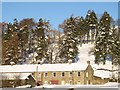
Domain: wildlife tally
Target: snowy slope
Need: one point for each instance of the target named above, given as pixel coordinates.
(84, 55)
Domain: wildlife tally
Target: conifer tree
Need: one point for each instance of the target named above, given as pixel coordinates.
(41, 39)
(91, 25)
(23, 34)
(81, 30)
(69, 45)
(11, 43)
(5, 46)
(114, 44)
(102, 41)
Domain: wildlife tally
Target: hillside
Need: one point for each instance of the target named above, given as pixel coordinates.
(84, 55)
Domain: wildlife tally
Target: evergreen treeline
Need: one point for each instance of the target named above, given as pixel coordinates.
(28, 41)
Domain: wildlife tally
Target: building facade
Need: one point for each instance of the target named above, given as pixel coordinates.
(66, 76)
(62, 74)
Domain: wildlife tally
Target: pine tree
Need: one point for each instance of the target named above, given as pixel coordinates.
(7, 32)
(15, 41)
(11, 43)
(23, 34)
(102, 41)
(115, 46)
(5, 46)
(91, 25)
(41, 39)
(87, 24)
(81, 30)
(69, 45)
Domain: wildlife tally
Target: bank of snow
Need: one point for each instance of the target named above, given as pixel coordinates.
(107, 85)
(103, 71)
(84, 55)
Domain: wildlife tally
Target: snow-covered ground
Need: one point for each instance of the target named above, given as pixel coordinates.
(25, 86)
(107, 85)
(84, 55)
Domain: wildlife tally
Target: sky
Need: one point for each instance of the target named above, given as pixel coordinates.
(60, 0)
(56, 12)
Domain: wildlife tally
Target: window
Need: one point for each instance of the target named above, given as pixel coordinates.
(54, 74)
(86, 74)
(63, 74)
(70, 82)
(70, 74)
(46, 82)
(45, 74)
(62, 82)
(78, 73)
(88, 82)
(78, 82)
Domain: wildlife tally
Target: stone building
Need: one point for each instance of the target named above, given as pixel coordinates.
(63, 74)
(17, 79)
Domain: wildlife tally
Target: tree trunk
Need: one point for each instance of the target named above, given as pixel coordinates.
(80, 41)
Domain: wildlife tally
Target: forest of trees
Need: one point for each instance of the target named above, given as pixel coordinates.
(28, 41)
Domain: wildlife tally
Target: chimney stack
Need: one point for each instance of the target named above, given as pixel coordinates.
(88, 62)
(69, 61)
(12, 63)
(40, 62)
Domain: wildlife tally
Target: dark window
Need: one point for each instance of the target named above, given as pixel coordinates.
(78, 73)
(89, 82)
(63, 74)
(70, 73)
(46, 74)
(54, 74)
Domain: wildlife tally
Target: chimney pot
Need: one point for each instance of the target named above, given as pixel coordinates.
(69, 61)
(88, 62)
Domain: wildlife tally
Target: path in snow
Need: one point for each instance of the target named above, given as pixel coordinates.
(84, 55)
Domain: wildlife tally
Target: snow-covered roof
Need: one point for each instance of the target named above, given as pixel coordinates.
(105, 67)
(112, 84)
(17, 68)
(13, 76)
(42, 68)
(52, 67)
(63, 67)
(24, 75)
(25, 86)
(102, 73)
